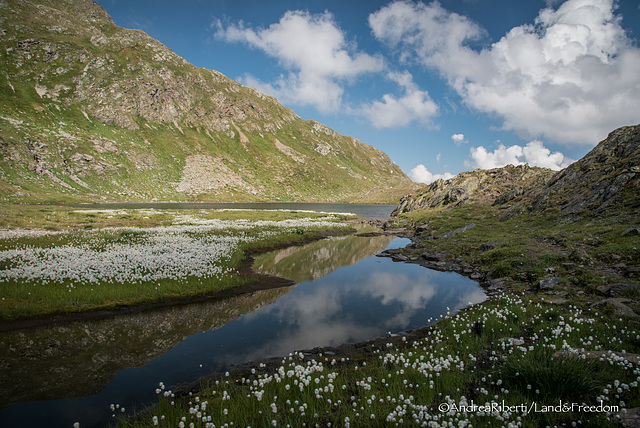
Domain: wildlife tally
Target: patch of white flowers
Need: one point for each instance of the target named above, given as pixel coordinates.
(183, 250)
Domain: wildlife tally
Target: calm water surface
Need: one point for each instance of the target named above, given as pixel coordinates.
(369, 211)
(56, 376)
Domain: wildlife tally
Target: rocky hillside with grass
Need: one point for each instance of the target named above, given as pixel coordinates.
(605, 182)
(495, 186)
(91, 111)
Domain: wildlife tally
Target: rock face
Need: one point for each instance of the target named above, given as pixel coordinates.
(607, 178)
(90, 110)
(494, 186)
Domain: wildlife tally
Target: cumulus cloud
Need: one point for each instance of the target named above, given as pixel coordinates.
(420, 174)
(458, 139)
(571, 76)
(315, 51)
(534, 153)
(413, 105)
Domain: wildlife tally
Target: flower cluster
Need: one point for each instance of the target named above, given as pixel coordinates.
(135, 255)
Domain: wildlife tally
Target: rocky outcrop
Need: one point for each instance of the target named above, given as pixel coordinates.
(607, 178)
(204, 173)
(495, 186)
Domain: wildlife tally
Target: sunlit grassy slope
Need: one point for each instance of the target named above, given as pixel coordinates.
(90, 111)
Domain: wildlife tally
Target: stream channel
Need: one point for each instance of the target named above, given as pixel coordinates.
(57, 375)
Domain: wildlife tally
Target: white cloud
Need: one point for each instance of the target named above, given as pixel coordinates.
(537, 155)
(458, 139)
(572, 76)
(414, 105)
(315, 51)
(500, 157)
(534, 153)
(420, 174)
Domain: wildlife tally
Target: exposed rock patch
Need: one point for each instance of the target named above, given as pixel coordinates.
(608, 177)
(105, 146)
(288, 151)
(143, 160)
(495, 186)
(204, 173)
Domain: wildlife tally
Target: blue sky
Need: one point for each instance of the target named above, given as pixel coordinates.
(441, 87)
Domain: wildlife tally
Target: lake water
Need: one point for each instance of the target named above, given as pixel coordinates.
(58, 375)
(368, 211)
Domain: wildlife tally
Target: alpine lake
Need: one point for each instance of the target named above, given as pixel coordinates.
(88, 371)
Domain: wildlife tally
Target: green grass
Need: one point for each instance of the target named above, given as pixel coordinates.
(511, 360)
(65, 217)
(531, 247)
(30, 300)
(540, 375)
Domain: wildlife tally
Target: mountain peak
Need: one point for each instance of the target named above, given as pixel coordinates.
(603, 182)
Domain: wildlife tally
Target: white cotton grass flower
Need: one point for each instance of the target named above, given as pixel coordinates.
(420, 365)
(194, 248)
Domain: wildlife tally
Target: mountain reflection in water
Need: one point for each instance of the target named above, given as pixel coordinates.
(317, 259)
(344, 295)
(81, 358)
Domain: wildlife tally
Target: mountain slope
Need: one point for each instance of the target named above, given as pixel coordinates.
(493, 186)
(605, 181)
(92, 111)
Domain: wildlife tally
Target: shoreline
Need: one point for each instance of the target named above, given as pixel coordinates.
(520, 305)
(260, 282)
(367, 347)
(493, 288)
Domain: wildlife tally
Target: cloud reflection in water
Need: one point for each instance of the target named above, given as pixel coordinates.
(356, 303)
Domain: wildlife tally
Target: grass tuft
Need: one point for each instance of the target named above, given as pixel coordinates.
(548, 377)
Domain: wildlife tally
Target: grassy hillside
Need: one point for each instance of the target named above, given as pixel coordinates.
(92, 111)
